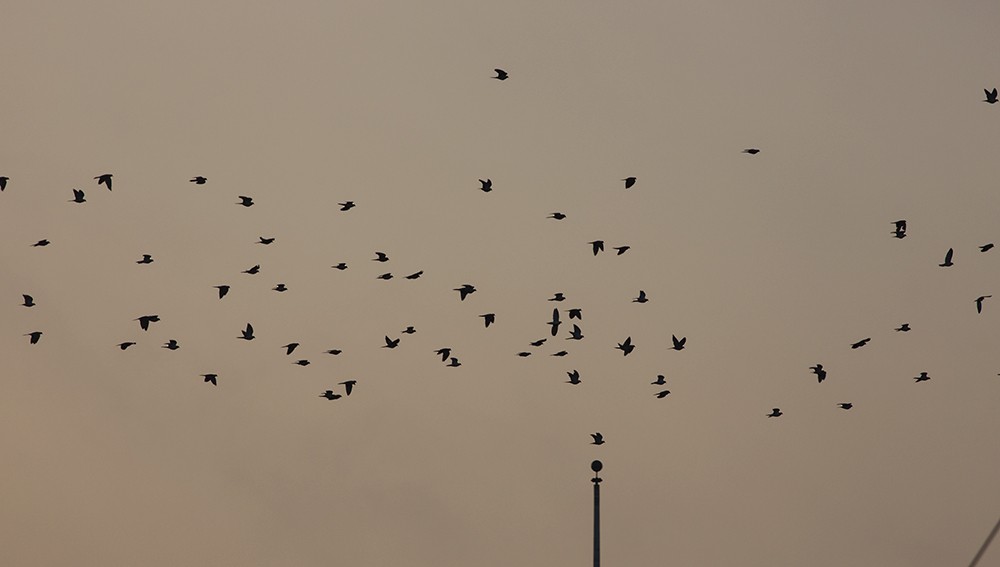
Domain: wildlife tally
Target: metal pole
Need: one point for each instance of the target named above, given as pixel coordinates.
(596, 467)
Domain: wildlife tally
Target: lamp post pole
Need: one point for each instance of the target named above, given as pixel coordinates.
(596, 466)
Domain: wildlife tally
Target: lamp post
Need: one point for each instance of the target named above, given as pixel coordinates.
(596, 466)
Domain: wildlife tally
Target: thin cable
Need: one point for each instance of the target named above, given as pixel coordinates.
(986, 544)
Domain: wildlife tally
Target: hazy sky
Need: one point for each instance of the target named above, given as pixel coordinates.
(864, 112)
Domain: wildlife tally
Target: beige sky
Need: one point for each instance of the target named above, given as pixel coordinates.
(769, 264)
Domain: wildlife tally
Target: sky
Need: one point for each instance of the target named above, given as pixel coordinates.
(770, 263)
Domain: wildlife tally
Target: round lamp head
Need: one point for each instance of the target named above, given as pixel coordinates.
(596, 466)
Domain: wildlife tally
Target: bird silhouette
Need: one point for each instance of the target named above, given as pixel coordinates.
(199, 180)
(576, 313)
(574, 377)
(986, 247)
(380, 257)
(597, 246)
(302, 362)
(751, 151)
(464, 291)
(245, 201)
(171, 344)
(845, 405)
(991, 96)
(538, 343)
(489, 319)
(678, 343)
(860, 343)
(775, 412)
(290, 348)
(409, 330)
(453, 363)
(334, 351)
(629, 182)
(922, 378)
(626, 347)
(341, 266)
(265, 241)
(524, 354)
(145, 320)
(146, 259)
(348, 386)
(346, 205)
(487, 185)
(125, 345)
(105, 179)
(390, 343)
(622, 249)
(330, 395)
(444, 352)
(255, 269)
(900, 231)
(385, 276)
(223, 290)
(213, 378)
(819, 372)
(979, 302)
(560, 353)
(558, 297)
(557, 216)
(662, 394)
(554, 323)
(501, 74)
(904, 328)
(660, 380)
(598, 438)
(576, 334)
(641, 298)
(947, 259)
(78, 196)
(247, 334)
(3, 182)
(415, 275)
(42, 242)
(35, 335)
(28, 300)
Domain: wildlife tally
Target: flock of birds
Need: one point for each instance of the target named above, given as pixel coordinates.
(555, 323)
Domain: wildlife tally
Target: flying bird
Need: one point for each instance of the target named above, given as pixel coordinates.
(660, 380)
(245, 201)
(576, 313)
(487, 185)
(678, 343)
(199, 180)
(341, 266)
(860, 343)
(3, 182)
(622, 249)
(598, 438)
(574, 377)
(385, 276)
(213, 378)
(819, 372)
(464, 291)
(626, 347)
(576, 334)
(146, 259)
(947, 259)
(125, 345)
(265, 241)
(558, 297)
(302, 362)
(489, 319)
(78, 196)
(334, 351)
(991, 96)
(900, 231)
(444, 352)
(380, 257)
(775, 412)
(845, 405)
(390, 343)
(662, 394)
(538, 343)
(751, 151)
(597, 246)
(409, 330)
(979, 302)
(346, 205)
(629, 182)
(415, 275)
(501, 74)
(247, 334)
(641, 298)
(524, 354)
(904, 328)
(560, 353)
(557, 216)
(986, 247)
(105, 179)
(454, 363)
(330, 395)
(171, 344)
(252, 270)
(223, 290)
(28, 300)
(290, 348)
(348, 386)
(35, 335)
(42, 242)
(145, 320)
(922, 378)
(554, 323)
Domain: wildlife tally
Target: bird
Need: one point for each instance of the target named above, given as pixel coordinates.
(501, 74)
(575, 334)
(557, 216)
(662, 394)
(42, 242)
(489, 319)
(622, 249)
(464, 291)
(28, 300)
(775, 412)
(409, 330)
(597, 246)
(390, 343)
(290, 348)
(576, 313)
(385, 276)
(626, 347)
(251, 271)
(3, 182)
(35, 335)
(487, 185)
(245, 201)
(199, 180)
(641, 298)
(922, 378)
(334, 351)
(598, 438)
(171, 344)
(678, 343)
(979, 302)
(751, 151)
(860, 343)
(348, 386)
(986, 247)
(302, 362)
(453, 363)
(538, 343)
(444, 352)
(346, 205)
(146, 259)
(574, 377)
(900, 231)
(380, 257)
(558, 297)
(247, 334)
(125, 345)
(560, 353)
(265, 241)
(341, 266)
(991, 96)
(330, 395)
(660, 380)
(415, 275)
(819, 372)
(629, 182)
(145, 320)
(78, 196)
(554, 323)
(845, 405)
(213, 378)
(947, 259)
(904, 328)
(524, 354)
(223, 290)
(105, 179)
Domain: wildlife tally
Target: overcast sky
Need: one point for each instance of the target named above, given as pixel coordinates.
(865, 113)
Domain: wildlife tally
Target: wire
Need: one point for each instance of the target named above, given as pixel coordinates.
(986, 544)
